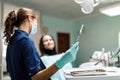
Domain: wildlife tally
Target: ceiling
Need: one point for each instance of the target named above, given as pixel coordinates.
(66, 9)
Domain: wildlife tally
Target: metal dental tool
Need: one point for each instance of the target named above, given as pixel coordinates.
(80, 32)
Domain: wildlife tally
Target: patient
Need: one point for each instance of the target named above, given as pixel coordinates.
(49, 55)
(47, 45)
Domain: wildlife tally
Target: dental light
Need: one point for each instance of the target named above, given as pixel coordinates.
(87, 6)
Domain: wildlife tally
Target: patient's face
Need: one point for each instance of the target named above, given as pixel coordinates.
(48, 42)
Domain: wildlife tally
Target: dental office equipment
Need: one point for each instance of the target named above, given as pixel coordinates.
(99, 57)
(80, 32)
(118, 49)
(87, 6)
(89, 72)
(114, 59)
(103, 51)
(111, 56)
(110, 73)
(115, 53)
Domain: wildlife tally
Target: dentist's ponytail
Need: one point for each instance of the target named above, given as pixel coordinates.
(9, 26)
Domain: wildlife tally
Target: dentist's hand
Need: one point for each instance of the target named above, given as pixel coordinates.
(68, 56)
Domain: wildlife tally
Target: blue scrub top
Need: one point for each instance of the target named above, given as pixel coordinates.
(23, 60)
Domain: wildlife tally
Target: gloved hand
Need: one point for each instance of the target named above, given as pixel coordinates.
(68, 56)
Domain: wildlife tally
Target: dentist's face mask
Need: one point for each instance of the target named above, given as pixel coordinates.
(32, 25)
(34, 29)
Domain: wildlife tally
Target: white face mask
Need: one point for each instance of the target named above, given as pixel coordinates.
(34, 29)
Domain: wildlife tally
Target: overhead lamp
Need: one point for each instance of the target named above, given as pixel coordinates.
(87, 6)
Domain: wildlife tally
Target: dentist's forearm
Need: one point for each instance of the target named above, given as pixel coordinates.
(46, 73)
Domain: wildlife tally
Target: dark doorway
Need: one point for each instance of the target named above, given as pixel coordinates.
(63, 40)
